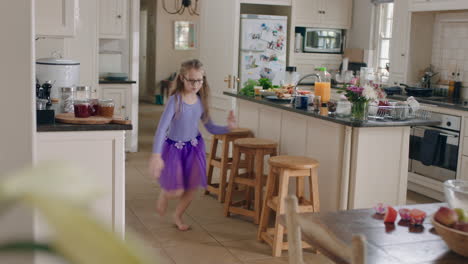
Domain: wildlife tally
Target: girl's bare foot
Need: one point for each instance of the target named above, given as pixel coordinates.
(180, 225)
(162, 204)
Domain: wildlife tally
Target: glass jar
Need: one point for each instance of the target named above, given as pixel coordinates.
(343, 108)
(106, 108)
(68, 96)
(83, 92)
(94, 106)
(291, 76)
(81, 107)
(55, 105)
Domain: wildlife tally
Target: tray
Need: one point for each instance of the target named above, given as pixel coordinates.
(279, 100)
(69, 118)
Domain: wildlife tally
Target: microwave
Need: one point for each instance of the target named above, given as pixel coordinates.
(323, 40)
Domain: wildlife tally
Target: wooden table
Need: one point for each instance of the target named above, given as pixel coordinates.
(390, 243)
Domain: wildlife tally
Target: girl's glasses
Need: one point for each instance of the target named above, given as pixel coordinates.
(194, 82)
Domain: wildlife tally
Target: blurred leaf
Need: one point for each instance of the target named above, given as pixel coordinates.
(51, 179)
(80, 238)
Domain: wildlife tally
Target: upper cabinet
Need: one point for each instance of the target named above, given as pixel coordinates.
(323, 13)
(267, 2)
(399, 42)
(55, 18)
(113, 19)
(437, 5)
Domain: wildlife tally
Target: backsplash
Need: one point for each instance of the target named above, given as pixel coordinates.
(450, 46)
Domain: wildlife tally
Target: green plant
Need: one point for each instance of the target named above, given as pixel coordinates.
(265, 83)
(249, 88)
(61, 195)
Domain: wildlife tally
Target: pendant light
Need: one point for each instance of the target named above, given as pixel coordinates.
(181, 6)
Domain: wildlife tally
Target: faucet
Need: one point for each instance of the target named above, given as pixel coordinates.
(302, 78)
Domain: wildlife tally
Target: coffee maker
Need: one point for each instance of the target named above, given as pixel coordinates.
(44, 113)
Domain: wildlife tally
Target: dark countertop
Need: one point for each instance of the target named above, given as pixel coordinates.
(116, 82)
(335, 119)
(60, 127)
(459, 104)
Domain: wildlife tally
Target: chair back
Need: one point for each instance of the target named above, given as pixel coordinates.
(320, 237)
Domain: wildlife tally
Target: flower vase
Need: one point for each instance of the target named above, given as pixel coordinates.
(359, 111)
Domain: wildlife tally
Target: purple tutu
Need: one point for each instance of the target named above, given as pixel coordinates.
(184, 165)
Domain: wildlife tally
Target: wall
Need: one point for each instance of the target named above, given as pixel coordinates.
(450, 49)
(17, 143)
(361, 33)
(168, 59)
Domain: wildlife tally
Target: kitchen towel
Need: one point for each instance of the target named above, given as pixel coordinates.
(429, 146)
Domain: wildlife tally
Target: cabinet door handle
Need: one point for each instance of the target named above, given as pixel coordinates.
(320, 11)
(119, 16)
(402, 54)
(123, 106)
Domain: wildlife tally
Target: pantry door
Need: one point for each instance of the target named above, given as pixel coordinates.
(219, 46)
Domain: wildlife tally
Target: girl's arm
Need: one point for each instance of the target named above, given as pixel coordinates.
(163, 125)
(215, 129)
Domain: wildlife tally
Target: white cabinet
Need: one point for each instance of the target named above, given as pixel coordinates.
(55, 18)
(437, 5)
(121, 96)
(399, 42)
(99, 153)
(323, 13)
(267, 2)
(113, 19)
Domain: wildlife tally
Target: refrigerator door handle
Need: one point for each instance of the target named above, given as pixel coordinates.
(228, 81)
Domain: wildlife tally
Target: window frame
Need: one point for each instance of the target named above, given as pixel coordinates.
(378, 36)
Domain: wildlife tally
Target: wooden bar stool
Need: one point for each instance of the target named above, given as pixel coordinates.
(282, 168)
(254, 149)
(224, 162)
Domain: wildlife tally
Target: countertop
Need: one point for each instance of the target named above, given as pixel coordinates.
(456, 104)
(60, 127)
(335, 119)
(101, 81)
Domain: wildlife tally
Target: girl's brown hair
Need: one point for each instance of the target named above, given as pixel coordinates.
(204, 91)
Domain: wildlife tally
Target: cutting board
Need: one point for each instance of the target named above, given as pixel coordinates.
(70, 118)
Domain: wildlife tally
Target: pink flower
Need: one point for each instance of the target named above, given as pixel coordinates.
(179, 145)
(194, 142)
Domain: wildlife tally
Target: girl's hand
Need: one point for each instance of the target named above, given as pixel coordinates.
(231, 121)
(156, 165)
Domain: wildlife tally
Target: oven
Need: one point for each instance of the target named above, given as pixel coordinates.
(441, 164)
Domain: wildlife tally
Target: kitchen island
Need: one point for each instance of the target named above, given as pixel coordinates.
(99, 150)
(361, 163)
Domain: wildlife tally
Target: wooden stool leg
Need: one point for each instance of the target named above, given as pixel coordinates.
(314, 190)
(234, 172)
(300, 188)
(265, 215)
(258, 184)
(279, 229)
(224, 168)
(211, 156)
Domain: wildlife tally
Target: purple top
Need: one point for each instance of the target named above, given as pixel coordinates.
(184, 127)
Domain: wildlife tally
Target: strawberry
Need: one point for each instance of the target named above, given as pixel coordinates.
(390, 215)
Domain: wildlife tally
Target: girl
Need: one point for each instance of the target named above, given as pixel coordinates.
(178, 158)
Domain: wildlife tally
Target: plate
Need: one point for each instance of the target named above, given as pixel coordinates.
(279, 100)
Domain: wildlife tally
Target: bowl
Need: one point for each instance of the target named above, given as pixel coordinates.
(267, 92)
(456, 193)
(455, 239)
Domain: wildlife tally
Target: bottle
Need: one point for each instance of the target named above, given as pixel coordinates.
(298, 43)
(451, 87)
(457, 87)
(323, 86)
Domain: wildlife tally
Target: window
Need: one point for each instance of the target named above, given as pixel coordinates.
(384, 35)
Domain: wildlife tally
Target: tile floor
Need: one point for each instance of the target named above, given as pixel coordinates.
(213, 237)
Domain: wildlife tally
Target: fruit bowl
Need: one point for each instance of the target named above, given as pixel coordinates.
(455, 239)
(456, 193)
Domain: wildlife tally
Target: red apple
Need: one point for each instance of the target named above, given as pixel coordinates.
(461, 226)
(446, 216)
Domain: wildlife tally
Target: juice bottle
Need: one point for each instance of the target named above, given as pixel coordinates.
(323, 87)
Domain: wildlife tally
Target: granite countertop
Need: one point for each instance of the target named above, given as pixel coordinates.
(60, 127)
(103, 81)
(335, 119)
(456, 104)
